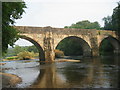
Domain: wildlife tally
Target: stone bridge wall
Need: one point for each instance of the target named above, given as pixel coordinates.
(48, 38)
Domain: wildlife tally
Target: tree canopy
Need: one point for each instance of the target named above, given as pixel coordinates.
(85, 24)
(113, 22)
(10, 12)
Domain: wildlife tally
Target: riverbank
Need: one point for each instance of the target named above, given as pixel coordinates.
(9, 80)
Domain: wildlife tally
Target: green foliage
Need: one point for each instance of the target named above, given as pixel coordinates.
(12, 58)
(70, 47)
(58, 53)
(85, 25)
(25, 55)
(32, 49)
(18, 49)
(113, 22)
(10, 12)
(106, 48)
(116, 18)
(108, 23)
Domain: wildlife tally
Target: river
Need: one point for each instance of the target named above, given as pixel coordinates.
(102, 72)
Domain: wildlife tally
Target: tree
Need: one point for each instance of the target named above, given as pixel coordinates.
(85, 25)
(116, 19)
(108, 23)
(113, 22)
(10, 12)
(19, 49)
(32, 49)
(70, 47)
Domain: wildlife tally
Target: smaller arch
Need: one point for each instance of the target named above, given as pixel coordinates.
(41, 52)
(114, 42)
(87, 51)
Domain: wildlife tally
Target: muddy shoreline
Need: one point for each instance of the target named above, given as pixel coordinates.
(9, 80)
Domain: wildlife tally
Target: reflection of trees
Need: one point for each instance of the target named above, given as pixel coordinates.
(48, 78)
(74, 74)
(88, 73)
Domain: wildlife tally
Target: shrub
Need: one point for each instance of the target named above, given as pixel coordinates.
(58, 53)
(26, 55)
(12, 58)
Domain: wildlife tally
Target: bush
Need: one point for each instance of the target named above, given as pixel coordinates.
(12, 58)
(58, 53)
(26, 55)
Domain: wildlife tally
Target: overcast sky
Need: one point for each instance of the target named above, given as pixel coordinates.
(60, 13)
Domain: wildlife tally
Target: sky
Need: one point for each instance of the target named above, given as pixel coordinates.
(60, 13)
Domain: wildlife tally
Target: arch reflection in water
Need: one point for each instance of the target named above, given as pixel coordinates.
(90, 73)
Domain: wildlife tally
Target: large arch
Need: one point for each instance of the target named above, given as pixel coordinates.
(114, 42)
(87, 52)
(41, 52)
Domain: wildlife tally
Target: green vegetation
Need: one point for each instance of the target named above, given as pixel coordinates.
(70, 47)
(11, 11)
(58, 53)
(85, 24)
(25, 55)
(17, 49)
(113, 22)
(106, 48)
(12, 58)
(21, 52)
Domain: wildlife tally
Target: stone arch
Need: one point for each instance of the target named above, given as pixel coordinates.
(41, 52)
(85, 46)
(115, 43)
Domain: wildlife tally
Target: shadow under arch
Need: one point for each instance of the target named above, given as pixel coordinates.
(41, 52)
(87, 51)
(114, 42)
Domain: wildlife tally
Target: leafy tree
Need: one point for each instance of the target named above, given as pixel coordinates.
(19, 49)
(116, 19)
(113, 22)
(108, 23)
(85, 25)
(25, 55)
(32, 49)
(106, 48)
(10, 12)
(70, 47)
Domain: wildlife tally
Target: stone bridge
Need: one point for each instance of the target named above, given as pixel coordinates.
(46, 39)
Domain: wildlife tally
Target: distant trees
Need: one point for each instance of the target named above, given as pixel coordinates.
(85, 24)
(22, 52)
(106, 48)
(108, 23)
(17, 49)
(113, 22)
(70, 47)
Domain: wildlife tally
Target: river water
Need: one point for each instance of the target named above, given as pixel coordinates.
(102, 72)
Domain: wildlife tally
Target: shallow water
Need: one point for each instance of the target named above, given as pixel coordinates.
(89, 73)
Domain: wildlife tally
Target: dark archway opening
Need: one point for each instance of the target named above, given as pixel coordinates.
(74, 46)
(109, 46)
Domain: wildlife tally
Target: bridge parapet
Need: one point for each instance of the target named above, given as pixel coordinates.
(48, 38)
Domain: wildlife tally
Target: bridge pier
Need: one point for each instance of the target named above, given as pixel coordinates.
(49, 47)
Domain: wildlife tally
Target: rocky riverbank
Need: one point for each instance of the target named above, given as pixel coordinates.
(9, 80)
